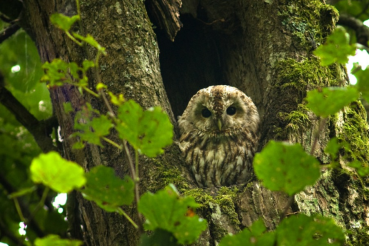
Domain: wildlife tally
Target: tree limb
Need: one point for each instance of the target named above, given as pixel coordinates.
(39, 129)
(8, 32)
(361, 31)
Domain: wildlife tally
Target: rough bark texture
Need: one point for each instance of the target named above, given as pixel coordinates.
(262, 47)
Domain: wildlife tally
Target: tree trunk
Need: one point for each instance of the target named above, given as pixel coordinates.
(262, 47)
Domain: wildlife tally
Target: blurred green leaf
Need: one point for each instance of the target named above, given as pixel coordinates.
(87, 64)
(20, 62)
(361, 169)
(256, 234)
(362, 77)
(332, 148)
(36, 101)
(168, 211)
(285, 167)
(330, 100)
(62, 21)
(303, 231)
(147, 131)
(57, 173)
(55, 240)
(56, 72)
(336, 49)
(107, 190)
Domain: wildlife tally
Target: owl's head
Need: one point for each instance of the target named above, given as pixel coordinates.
(219, 110)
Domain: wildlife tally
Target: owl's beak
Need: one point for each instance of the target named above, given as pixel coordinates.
(219, 124)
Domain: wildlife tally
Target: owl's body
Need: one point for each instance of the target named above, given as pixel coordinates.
(219, 136)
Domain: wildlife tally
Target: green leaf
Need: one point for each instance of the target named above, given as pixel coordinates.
(19, 51)
(285, 167)
(91, 130)
(87, 64)
(147, 131)
(55, 240)
(57, 173)
(332, 148)
(91, 41)
(255, 235)
(62, 21)
(116, 100)
(56, 72)
(336, 49)
(361, 169)
(330, 100)
(303, 231)
(167, 211)
(362, 77)
(107, 190)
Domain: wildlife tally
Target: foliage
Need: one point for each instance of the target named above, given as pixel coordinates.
(62, 176)
(279, 166)
(294, 230)
(166, 210)
(337, 48)
(107, 190)
(170, 216)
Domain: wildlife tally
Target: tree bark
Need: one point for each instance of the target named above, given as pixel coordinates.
(262, 47)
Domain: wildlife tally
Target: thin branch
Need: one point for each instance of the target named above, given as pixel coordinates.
(8, 32)
(39, 129)
(361, 31)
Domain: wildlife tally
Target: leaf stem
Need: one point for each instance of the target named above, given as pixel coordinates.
(136, 161)
(120, 211)
(107, 103)
(41, 203)
(112, 143)
(91, 92)
(16, 203)
(78, 8)
(73, 38)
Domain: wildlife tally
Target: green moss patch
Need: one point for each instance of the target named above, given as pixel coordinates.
(355, 133)
(309, 21)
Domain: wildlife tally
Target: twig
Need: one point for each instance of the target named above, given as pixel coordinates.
(361, 31)
(8, 32)
(126, 149)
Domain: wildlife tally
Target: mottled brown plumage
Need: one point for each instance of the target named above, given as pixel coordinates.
(219, 136)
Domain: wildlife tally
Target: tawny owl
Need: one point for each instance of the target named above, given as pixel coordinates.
(219, 136)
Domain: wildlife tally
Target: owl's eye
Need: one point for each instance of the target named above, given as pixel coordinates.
(206, 113)
(231, 110)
